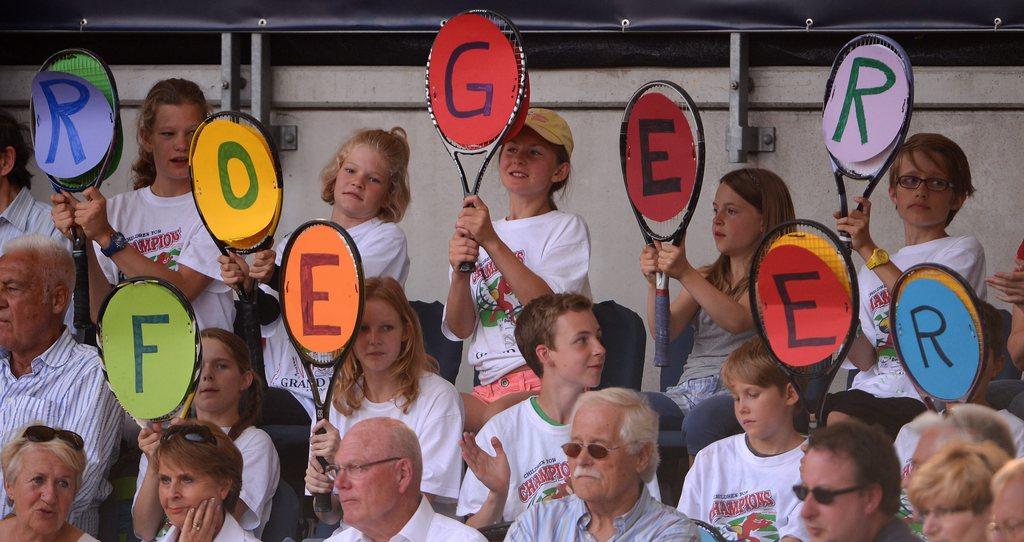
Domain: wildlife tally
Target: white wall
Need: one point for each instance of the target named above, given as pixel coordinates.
(980, 108)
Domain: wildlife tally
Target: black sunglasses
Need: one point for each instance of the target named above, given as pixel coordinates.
(43, 433)
(597, 451)
(822, 495)
(190, 432)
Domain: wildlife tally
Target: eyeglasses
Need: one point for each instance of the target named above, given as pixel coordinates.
(911, 182)
(190, 432)
(822, 495)
(43, 433)
(354, 470)
(597, 451)
(923, 514)
(1006, 529)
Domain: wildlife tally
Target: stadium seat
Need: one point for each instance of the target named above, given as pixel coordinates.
(624, 338)
(285, 515)
(448, 353)
(1010, 371)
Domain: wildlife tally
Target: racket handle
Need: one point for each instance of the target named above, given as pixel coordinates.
(846, 240)
(322, 501)
(250, 328)
(82, 320)
(467, 267)
(661, 322)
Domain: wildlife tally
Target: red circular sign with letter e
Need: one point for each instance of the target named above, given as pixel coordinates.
(661, 165)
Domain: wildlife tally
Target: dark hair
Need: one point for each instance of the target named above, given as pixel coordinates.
(536, 324)
(166, 92)
(870, 451)
(252, 398)
(14, 134)
(947, 154)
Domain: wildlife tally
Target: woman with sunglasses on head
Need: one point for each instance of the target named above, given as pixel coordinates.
(929, 182)
(200, 476)
(42, 470)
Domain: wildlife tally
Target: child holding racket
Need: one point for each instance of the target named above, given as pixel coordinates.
(155, 229)
(929, 182)
(389, 374)
(1009, 394)
(228, 395)
(535, 250)
(743, 485)
(748, 203)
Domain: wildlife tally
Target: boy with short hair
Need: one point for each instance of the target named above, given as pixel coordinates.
(516, 460)
(743, 485)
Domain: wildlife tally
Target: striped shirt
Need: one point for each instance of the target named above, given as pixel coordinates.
(568, 519)
(66, 389)
(25, 216)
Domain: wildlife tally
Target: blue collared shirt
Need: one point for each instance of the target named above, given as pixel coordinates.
(25, 216)
(66, 389)
(568, 519)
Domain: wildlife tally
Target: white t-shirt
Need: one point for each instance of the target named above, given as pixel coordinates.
(169, 231)
(907, 439)
(424, 524)
(744, 496)
(886, 378)
(556, 247)
(283, 367)
(436, 417)
(382, 249)
(261, 471)
(533, 445)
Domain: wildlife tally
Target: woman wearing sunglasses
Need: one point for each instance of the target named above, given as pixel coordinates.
(200, 475)
(42, 470)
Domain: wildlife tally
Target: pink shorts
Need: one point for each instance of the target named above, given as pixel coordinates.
(516, 381)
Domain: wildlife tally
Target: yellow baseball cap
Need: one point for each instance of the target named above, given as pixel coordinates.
(551, 127)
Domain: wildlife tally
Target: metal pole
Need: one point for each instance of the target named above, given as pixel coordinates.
(230, 72)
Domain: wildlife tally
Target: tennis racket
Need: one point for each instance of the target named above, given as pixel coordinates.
(1020, 251)
(322, 305)
(76, 131)
(476, 87)
(149, 342)
(661, 146)
(938, 333)
(804, 301)
(707, 532)
(869, 98)
(237, 186)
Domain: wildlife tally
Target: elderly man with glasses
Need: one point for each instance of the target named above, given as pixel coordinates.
(612, 452)
(377, 475)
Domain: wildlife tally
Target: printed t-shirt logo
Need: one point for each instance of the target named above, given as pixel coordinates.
(496, 303)
(749, 517)
(546, 482)
(161, 247)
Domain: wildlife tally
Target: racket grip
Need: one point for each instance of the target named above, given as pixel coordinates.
(322, 501)
(250, 328)
(467, 267)
(661, 323)
(82, 318)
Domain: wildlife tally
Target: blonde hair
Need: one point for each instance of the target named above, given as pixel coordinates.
(959, 475)
(1011, 472)
(221, 461)
(752, 364)
(10, 458)
(393, 148)
(639, 425)
(412, 361)
(167, 92)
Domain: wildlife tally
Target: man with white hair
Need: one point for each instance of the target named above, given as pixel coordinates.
(45, 376)
(377, 472)
(1008, 504)
(613, 451)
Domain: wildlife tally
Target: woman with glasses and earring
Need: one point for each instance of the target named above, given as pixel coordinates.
(42, 470)
(929, 181)
(200, 476)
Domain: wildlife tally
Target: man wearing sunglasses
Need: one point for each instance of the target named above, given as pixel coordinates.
(45, 376)
(850, 485)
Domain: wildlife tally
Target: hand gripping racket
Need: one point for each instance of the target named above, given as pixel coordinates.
(322, 302)
(869, 98)
(661, 145)
(236, 183)
(476, 87)
(151, 351)
(938, 333)
(76, 133)
(803, 297)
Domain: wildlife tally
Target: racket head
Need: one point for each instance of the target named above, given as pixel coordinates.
(1020, 251)
(864, 123)
(104, 145)
(236, 180)
(146, 323)
(804, 301)
(661, 147)
(321, 292)
(474, 107)
(938, 333)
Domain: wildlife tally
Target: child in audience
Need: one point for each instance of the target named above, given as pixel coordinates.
(388, 374)
(229, 396)
(743, 484)
(1009, 394)
(928, 183)
(535, 250)
(516, 460)
(748, 203)
(155, 229)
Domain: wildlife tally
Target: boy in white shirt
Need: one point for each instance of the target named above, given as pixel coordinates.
(743, 485)
(560, 339)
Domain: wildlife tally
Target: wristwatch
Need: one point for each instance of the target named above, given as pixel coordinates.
(878, 257)
(117, 244)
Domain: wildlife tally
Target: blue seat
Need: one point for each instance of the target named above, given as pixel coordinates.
(625, 340)
(285, 515)
(447, 353)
